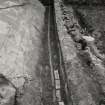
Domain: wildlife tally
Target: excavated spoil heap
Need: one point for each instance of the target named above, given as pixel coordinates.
(84, 68)
(94, 2)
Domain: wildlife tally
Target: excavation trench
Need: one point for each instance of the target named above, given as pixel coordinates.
(52, 75)
(79, 78)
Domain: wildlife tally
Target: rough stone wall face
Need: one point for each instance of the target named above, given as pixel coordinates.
(21, 23)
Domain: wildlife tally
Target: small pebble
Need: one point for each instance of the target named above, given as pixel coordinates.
(57, 82)
(61, 103)
(56, 74)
